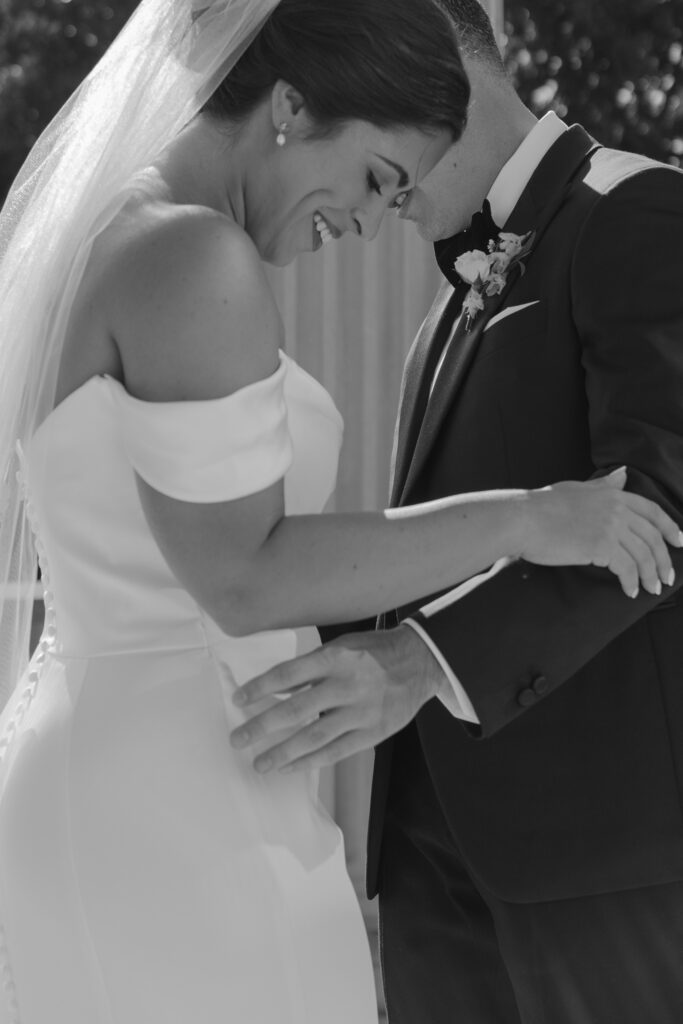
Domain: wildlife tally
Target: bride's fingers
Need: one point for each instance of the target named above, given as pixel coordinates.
(655, 515)
(651, 536)
(645, 560)
(622, 564)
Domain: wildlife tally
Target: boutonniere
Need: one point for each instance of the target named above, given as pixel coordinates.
(487, 272)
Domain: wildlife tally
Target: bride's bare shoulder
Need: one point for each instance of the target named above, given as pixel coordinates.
(188, 302)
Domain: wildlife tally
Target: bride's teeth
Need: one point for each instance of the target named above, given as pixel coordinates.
(322, 228)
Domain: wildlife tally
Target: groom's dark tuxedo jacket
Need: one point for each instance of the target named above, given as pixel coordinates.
(573, 782)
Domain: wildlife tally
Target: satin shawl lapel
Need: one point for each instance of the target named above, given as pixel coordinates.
(538, 205)
(431, 337)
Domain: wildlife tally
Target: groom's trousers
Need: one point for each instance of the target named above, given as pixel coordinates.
(454, 954)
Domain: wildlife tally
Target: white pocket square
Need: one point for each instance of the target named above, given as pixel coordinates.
(508, 312)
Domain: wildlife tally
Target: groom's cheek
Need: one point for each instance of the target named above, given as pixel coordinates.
(431, 223)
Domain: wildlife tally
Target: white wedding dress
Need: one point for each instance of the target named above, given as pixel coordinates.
(148, 875)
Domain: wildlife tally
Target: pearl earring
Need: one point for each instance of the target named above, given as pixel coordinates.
(281, 137)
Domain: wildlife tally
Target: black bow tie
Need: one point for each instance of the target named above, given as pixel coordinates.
(481, 231)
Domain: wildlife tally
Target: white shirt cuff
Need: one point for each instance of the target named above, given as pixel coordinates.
(452, 694)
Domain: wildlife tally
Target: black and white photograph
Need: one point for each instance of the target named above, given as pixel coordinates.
(341, 511)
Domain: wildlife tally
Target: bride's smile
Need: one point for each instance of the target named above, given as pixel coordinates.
(313, 191)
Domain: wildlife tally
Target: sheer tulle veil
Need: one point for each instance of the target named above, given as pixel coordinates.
(155, 77)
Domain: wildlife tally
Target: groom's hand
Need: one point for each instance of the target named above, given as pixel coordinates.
(344, 697)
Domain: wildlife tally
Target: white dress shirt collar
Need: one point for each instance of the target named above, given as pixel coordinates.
(517, 172)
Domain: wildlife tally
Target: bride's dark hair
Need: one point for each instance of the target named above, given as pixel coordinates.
(388, 62)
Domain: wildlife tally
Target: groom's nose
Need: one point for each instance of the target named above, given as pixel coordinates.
(413, 207)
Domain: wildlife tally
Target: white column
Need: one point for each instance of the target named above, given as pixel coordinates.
(496, 11)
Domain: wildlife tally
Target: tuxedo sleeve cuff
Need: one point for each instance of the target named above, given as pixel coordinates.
(449, 598)
(452, 693)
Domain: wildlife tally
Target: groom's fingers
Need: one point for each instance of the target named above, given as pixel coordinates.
(334, 728)
(289, 715)
(338, 750)
(289, 675)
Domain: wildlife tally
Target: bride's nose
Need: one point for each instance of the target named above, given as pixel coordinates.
(367, 220)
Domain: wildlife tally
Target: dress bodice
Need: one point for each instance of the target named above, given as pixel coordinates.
(108, 583)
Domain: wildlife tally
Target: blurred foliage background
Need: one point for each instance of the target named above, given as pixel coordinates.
(616, 66)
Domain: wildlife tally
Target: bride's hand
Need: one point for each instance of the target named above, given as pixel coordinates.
(599, 523)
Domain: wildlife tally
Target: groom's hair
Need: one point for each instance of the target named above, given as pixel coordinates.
(474, 30)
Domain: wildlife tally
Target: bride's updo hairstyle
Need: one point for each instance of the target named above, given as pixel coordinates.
(392, 63)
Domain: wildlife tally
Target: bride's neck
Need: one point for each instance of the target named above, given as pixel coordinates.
(206, 165)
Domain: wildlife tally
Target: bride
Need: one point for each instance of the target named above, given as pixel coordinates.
(171, 462)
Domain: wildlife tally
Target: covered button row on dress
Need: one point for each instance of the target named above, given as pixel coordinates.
(7, 981)
(49, 635)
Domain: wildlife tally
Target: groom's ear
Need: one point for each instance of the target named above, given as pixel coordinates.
(288, 107)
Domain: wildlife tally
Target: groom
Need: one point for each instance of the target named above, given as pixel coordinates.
(526, 832)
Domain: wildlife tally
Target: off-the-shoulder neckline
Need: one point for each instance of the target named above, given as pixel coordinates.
(256, 385)
(103, 378)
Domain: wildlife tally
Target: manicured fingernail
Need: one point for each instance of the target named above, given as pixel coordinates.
(634, 593)
(656, 588)
(671, 578)
(263, 765)
(680, 538)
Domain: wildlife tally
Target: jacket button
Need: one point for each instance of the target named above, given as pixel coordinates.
(540, 685)
(526, 698)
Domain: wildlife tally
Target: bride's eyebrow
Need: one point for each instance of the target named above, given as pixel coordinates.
(403, 178)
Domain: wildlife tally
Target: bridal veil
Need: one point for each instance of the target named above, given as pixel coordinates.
(153, 80)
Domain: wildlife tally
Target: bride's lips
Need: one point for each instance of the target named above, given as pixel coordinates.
(324, 230)
(334, 230)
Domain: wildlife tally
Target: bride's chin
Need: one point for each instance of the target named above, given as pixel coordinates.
(279, 258)
(281, 253)
(271, 253)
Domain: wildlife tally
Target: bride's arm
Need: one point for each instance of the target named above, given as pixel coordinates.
(194, 319)
(252, 568)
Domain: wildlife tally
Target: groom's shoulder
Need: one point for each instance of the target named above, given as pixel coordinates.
(616, 192)
(611, 171)
(628, 204)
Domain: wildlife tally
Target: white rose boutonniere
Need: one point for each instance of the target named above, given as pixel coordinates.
(473, 265)
(487, 272)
